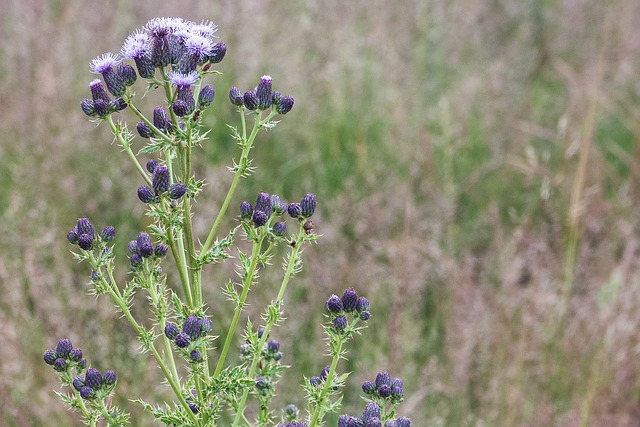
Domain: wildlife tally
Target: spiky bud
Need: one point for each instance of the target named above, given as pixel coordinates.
(151, 165)
(236, 97)
(50, 357)
(362, 304)
(284, 104)
(183, 340)
(171, 330)
(383, 378)
(261, 332)
(371, 410)
(144, 130)
(60, 364)
(135, 260)
(279, 228)
(206, 96)
(85, 241)
(147, 195)
(246, 210)
(191, 326)
(291, 411)
(325, 372)
(350, 300)
(127, 73)
(87, 393)
(315, 380)
(72, 236)
(259, 218)
(75, 355)
(161, 249)
(109, 377)
(161, 118)
(132, 247)
(98, 92)
(308, 205)
(196, 356)
(334, 304)
(101, 107)
(273, 346)
(403, 422)
(84, 226)
(263, 203)
(384, 391)
(181, 108)
(161, 179)
(108, 233)
(373, 422)
(145, 245)
(93, 378)
(64, 347)
(368, 387)
(77, 383)
(206, 326)
(87, 107)
(340, 323)
(218, 52)
(251, 100)
(365, 315)
(263, 92)
(177, 190)
(294, 210)
(118, 104)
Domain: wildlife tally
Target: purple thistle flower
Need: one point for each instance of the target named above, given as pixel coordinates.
(177, 190)
(145, 245)
(397, 388)
(294, 210)
(161, 250)
(60, 364)
(236, 97)
(362, 304)
(84, 226)
(384, 391)
(183, 80)
(206, 96)
(160, 179)
(259, 218)
(181, 108)
(251, 101)
(191, 326)
(340, 323)
(108, 233)
(368, 387)
(371, 410)
(403, 422)
(205, 28)
(117, 104)
(86, 392)
(263, 92)
(159, 30)
(246, 210)
(132, 247)
(107, 65)
(93, 378)
(350, 300)
(87, 107)
(64, 347)
(196, 49)
(137, 47)
(196, 356)
(50, 357)
(161, 119)
(101, 107)
(182, 340)
(218, 52)
(78, 383)
(263, 203)
(127, 73)
(151, 164)
(144, 130)
(308, 205)
(109, 377)
(373, 422)
(279, 228)
(334, 304)
(275, 97)
(284, 104)
(75, 355)
(98, 92)
(383, 378)
(171, 330)
(277, 205)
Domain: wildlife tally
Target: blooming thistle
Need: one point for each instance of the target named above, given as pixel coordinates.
(138, 48)
(184, 103)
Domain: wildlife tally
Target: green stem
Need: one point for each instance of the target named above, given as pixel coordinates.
(318, 412)
(127, 148)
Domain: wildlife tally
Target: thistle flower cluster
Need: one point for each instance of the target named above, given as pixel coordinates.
(268, 206)
(385, 388)
(261, 98)
(142, 248)
(373, 416)
(349, 304)
(65, 356)
(84, 234)
(160, 184)
(188, 337)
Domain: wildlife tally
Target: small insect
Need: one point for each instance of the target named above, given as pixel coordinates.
(292, 244)
(196, 116)
(308, 227)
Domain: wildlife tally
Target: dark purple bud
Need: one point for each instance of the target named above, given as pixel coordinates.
(384, 391)
(194, 408)
(64, 347)
(403, 422)
(263, 92)
(294, 209)
(373, 422)
(75, 354)
(206, 96)
(315, 381)
(145, 245)
(275, 97)
(340, 323)
(191, 326)
(261, 332)
(206, 326)
(98, 92)
(279, 228)
(277, 356)
(196, 356)
(262, 383)
(50, 357)
(308, 205)
(147, 195)
(145, 66)
(171, 330)
(368, 387)
(177, 190)
(118, 104)
(93, 378)
(87, 107)
(273, 346)
(108, 233)
(85, 241)
(84, 226)
(259, 218)
(365, 315)
(101, 107)
(334, 304)
(109, 377)
(397, 387)
(161, 250)
(78, 383)
(144, 130)
(218, 52)
(60, 364)
(182, 340)
(263, 203)
(132, 246)
(324, 372)
(349, 300)
(383, 378)
(136, 260)
(82, 364)
(246, 210)
(161, 179)
(277, 205)
(72, 236)
(151, 164)
(160, 49)
(371, 410)
(127, 73)
(291, 411)
(251, 101)
(362, 304)
(161, 119)
(112, 78)
(181, 108)
(284, 104)
(86, 392)
(344, 421)
(235, 96)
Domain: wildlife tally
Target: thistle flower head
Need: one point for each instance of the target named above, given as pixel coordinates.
(161, 249)
(362, 304)
(109, 377)
(182, 340)
(206, 96)
(218, 52)
(87, 107)
(177, 190)
(206, 325)
(236, 97)
(279, 228)
(161, 179)
(78, 383)
(161, 120)
(308, 205)
(75, 355)
(368, 387)
(64, 347)
(246, 210)
(350, 300)
(383, 378)
(144, 130)
(373, 422)
(273, 346)
(151, 164)
(284, 104)
(371, 410)
(171, 330)
(104, 63)
(259, 218)
(191, 326)
(278, 206)
(197, 45)
(251, 101)
(294, 210)
(403, 422)
(84, 226)
(137, 45)
(291, 411)
(87, 392)
(145, 245)
(183, 80)
(60, 364)
(263, 92)
(108, 233)
(196, 356)
(50, 357)
(340, 323)
(334, 304)
(263, 203)
(205, 29)
(93, 378)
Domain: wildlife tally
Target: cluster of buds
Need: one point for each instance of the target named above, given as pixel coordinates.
(64, 356)
(100, 104)
(193, 328)
(371, 417)
(261, 98)
(142, 247)
(349, 303)
(94, 384)
(317, 380)
(84, 234)
(268, 205)
(385, 387)
(160, 184)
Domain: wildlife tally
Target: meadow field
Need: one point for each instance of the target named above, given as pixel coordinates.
(477, 170)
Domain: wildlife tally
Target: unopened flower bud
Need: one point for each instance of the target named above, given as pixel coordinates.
(279, 228)
(403, 422)
(340, 323)
(334, 304)
(147, 195)
(362, 304)
(308, 205)
(383, 378)
(349, 300)
(85, 241)
(72, 236)
(294, 210)
(284, 104)
(117, 104)
(259, 218)
(182, 340)
(93, 378)
(206, 326)
(75, 355)
(161, 118)
(251, 101)
(161, 250)
(50, 357)
(78, 383)
(371, 410)
(84, 226)
(60, 364)
(144, 130)
(151, 165)
(246, 210)
(87, 107)
(127, 73)
(196, 356)
(171, 330)
(218, 52)
(108, 233)
(101, 107)
(263, 92)
(145, 245)
(86, 392)
(177, 190)
(109, 377)
(191, 326)
(206, 96)
(368, 387)
(161, 179)
(98, 92)
(235, 96)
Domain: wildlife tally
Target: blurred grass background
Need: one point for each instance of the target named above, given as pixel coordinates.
(477, 169)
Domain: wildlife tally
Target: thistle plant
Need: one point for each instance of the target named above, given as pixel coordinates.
(177, 58)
